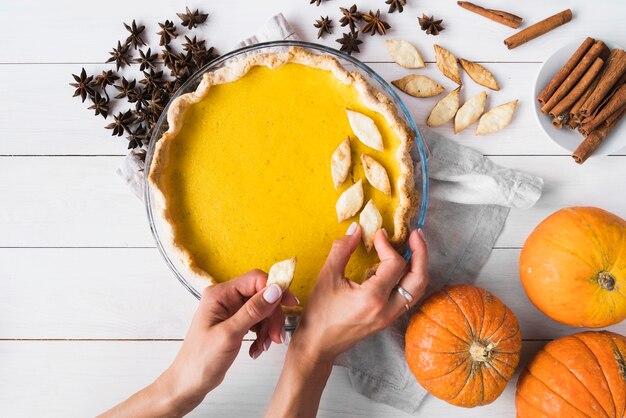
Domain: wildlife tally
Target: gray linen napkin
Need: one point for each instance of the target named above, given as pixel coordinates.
(469, 202)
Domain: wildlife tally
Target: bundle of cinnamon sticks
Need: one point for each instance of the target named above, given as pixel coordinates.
(588, 93)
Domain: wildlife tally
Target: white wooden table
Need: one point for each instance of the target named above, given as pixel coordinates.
(89, 311)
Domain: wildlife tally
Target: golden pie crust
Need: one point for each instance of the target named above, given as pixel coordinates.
(369, 96)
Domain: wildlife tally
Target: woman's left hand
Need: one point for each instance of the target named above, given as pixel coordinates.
(226, 313)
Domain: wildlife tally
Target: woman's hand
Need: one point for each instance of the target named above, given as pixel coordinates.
(340, 312)
(226, 313)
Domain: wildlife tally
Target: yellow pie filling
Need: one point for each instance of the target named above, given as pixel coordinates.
(248, 179)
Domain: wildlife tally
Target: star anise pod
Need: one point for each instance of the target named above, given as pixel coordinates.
(167, 54)
(158, 102)
(170, 87)
(374, 23)
(100, 105)
(124, 87)
(167, 32)
(105, 79)
(152, 80)
(121, 55)
(192, 44)
(317, 2)
(146, 60)
(203, 56)
(84, 85)
(325, 25)
(430, 25)
(192, 19)
(121, 123)
(181, 70)
(396, 5)
(133, 94)
(143, 98)
(199, 58)
(350, 42)
(135, 39)
(139, 115)
(138, 137)
(350, 17)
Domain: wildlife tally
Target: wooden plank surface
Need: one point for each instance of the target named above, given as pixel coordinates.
(133, 295)
(86, 34)
(83, 378)
(77, 260)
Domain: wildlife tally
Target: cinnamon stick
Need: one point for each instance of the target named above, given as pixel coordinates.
(568, 101)
(499, 16)
(594, 52)
(595, 138)
(538, 29)
(604, 101)
(558, 79)
(615, 68)
(607, 97)
(573, 113)
(615, 104)
(572, 123)
(614, 117)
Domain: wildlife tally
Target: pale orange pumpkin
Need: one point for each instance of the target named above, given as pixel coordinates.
(581, 375)
(573, 267)
(463, 345)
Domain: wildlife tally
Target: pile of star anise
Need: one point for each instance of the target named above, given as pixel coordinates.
(163, 72)
(370, 22)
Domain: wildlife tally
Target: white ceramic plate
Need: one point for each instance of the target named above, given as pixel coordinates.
(565, 137)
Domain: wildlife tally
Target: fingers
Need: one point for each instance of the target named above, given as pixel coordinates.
(289, 299)
(262, 341)
(415, 281)
(391, 268)
(276, 328)
(419, 258)
(341, 252)
(256, 309)
(246, 285)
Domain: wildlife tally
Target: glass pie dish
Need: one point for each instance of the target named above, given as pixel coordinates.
(162, 231)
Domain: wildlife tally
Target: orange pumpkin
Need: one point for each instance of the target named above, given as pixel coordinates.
(463, 345)
(582, 375)
(573, 267)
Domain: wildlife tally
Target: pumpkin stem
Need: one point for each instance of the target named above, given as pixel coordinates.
(481, 352)
(606, 280)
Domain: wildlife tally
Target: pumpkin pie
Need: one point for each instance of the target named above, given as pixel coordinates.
(243, 174)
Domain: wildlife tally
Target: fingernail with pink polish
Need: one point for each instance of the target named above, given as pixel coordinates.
(351, 228)
(272, 293)
(385, 232)
(266, 344)
(421, 232)
(283, 336)
(256, 353)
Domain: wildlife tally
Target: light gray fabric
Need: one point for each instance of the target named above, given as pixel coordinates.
(470, 197)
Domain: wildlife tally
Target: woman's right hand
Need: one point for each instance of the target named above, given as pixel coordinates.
(340, 312)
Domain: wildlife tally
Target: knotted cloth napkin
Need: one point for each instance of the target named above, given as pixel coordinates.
(470, 199)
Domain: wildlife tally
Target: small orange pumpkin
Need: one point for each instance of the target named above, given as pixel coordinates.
(463, 345)
(581, 375)
(573, 267)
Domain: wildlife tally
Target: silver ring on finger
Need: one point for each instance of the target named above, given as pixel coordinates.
(404, 293)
